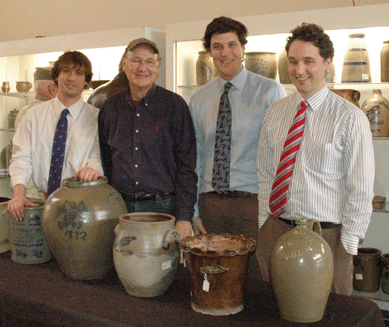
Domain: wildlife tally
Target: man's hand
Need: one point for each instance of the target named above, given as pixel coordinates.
(184, 228)
(87, 174)
(198, 227)
(16, 206)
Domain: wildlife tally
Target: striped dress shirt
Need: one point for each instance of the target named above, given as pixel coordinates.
(334, 171)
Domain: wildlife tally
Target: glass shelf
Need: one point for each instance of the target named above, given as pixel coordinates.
(22, 95)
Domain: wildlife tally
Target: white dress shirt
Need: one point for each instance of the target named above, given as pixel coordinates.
(249, 97)
(333, 175)
(33, 142)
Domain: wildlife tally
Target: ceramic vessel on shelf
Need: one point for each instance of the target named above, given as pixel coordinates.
(350, 95)
(263, 63)
(5, 88)
(5, 156)
(301, 272)
(330, 74)
(376, 108)
(218, 265)
(23, 86)
(146, 253)
(5, 243)
(385, 62)
(12, 117)
(28, 242)
(356, 65)
(205, 69)
(79, 220)
(367, 270)
(379, 202)
(283, 68)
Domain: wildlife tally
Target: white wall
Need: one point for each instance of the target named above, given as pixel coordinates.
(24, 19)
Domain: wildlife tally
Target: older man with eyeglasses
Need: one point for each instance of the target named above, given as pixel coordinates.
(147, 139)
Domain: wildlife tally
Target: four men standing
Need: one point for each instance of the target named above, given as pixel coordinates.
(311, 158)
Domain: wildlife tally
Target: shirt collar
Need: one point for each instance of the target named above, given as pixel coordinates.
(238, 81)
(316, 100)
(146, 99)
(74, 109)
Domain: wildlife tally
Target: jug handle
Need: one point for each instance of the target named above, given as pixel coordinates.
(167, 238)
(112, 196)
(315, 226)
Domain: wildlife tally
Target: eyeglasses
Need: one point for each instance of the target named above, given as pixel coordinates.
(136, 62)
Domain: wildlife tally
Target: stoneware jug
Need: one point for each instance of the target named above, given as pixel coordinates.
(301, 272)
(5, 244)
(218, 265)
(146, 253)
(23, 86)
(79, 220)
(385, 273)
(376, 107)
(205, 69)
(28, 242)
(385, 62)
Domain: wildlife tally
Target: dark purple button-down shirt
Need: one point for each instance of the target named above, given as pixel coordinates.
(150, 148)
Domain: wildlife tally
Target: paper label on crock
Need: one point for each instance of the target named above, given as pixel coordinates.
(205, 284)
(166, 265)
(358, 276)
(365, 77)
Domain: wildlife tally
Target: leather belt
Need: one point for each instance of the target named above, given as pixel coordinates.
(324, 225)
(144, 196)
(234, 194)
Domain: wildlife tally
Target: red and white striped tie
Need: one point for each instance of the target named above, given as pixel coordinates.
(279, 191)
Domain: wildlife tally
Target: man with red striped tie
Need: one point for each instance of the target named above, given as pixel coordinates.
(315, 160)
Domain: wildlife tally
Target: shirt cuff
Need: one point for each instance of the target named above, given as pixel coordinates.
(350, 243)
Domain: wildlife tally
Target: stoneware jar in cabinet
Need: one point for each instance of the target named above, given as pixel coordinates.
(262, 63)
(385, 62)
(5, 244)
(205, 69)
(350, 95)
(376, 107)
(356, 64)
(79, 220)
(301, 272)
(28, 242)
(385, 273)
(146, 253)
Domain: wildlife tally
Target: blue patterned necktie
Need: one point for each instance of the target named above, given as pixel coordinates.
(58, 153)
(221, 161)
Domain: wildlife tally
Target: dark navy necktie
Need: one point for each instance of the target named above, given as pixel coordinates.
(221, 161)
(58, 153)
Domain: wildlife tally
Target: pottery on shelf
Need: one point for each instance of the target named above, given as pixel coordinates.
(5, 88)
(301, 272)
(79, 220)
(356, 65)
(262, 63)
(376, 108)
(350, 95)
(205, 69)
(283, 73)
(146, 253)
(385, 62)
(23, 86)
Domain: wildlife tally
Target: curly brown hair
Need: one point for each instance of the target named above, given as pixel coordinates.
(221, 25)
(70, 58)
(314, 34)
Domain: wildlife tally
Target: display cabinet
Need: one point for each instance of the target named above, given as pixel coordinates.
(268, 33)
(19, 59)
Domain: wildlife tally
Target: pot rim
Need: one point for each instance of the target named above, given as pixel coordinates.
(76, 183)
(122, 218)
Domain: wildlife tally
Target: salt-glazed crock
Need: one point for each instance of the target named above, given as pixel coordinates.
(146, 253)
(79, 220)
(301, 272)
